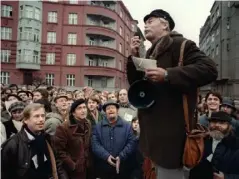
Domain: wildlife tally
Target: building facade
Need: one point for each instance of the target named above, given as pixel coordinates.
(219, 38)
(69, 44)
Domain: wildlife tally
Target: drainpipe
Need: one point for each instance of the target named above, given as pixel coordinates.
(62, 45)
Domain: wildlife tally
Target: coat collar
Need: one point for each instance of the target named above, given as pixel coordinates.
(119, 122)
(79, 128)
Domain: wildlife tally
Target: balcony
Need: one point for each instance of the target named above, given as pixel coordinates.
(100, 20)
(106, 4)
(28, 63)
(99, 61)
(100, 40)
(100, 82)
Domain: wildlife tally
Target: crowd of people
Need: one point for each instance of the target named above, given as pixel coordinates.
(84, 133)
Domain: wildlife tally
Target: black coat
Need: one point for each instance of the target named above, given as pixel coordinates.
(163, 146)
(16, 158)
(225, 159)
(10, 128)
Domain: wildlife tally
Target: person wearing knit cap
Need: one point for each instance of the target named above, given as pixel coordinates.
(14, 125)
(171, 78)
(221, 150)
(72, 141)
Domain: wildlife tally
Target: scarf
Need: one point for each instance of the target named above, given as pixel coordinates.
(39, 146)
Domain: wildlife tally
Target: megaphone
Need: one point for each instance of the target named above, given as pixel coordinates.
(141, 94)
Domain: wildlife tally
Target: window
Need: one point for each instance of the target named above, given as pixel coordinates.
(5, 77)
(217, 32)
(212, 53)
(27, 34)
(36, 35)
(127, 38)
(120, 47)
(104, 82)
(21, 11)
(119, 82)
(91, 62)
(52, 17)
(120, 31)
(70, 80)
(71, 59)
(218, 14)
(103, 63)
(72, 39)
(36, 57)
(72, 18)
(228, 4)
(213, 37)
(73, 1)
(92, 41)
(133, 27)
(50, 79)
(120, 66)
(5, 56)
(121, 14)
(37, 14)
(217, 50)
(6, 11)
(27, 56)
(90, 81)
(28, 12)
(51, 37)
(6, 33)
(105, 43)
(50, 58)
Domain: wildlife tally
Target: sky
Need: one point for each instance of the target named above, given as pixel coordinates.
(189, 15)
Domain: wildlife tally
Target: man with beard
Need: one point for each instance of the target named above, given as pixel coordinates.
(221, 151)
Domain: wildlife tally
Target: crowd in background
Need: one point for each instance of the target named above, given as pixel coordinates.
(102, 146)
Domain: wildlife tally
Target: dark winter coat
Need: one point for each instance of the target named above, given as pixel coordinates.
(16, 158)
(162, 134)
(117, 140)
(72, 142)
(225, 159)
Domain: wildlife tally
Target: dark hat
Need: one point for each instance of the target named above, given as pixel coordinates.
(16, 96)
(22, 92)
(228, 102)
(110, 102)
(60, 96)
(220, 116)
(16, 106)
(163, 14)
(75, 104)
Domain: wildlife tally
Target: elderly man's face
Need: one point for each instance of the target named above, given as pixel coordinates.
(219, 129)
(154, 28)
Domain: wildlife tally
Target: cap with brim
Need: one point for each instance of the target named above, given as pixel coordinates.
(62, 96)
(16, 96)
(110, 102)
(162, 14)
(228, 104)
(220, 116)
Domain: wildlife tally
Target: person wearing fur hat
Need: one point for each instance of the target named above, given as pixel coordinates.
(72, 141)
(172, 80)
(14, 125)
(221, 151)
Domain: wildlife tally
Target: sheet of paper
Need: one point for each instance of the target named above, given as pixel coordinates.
(128, 117)
(142, 64)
